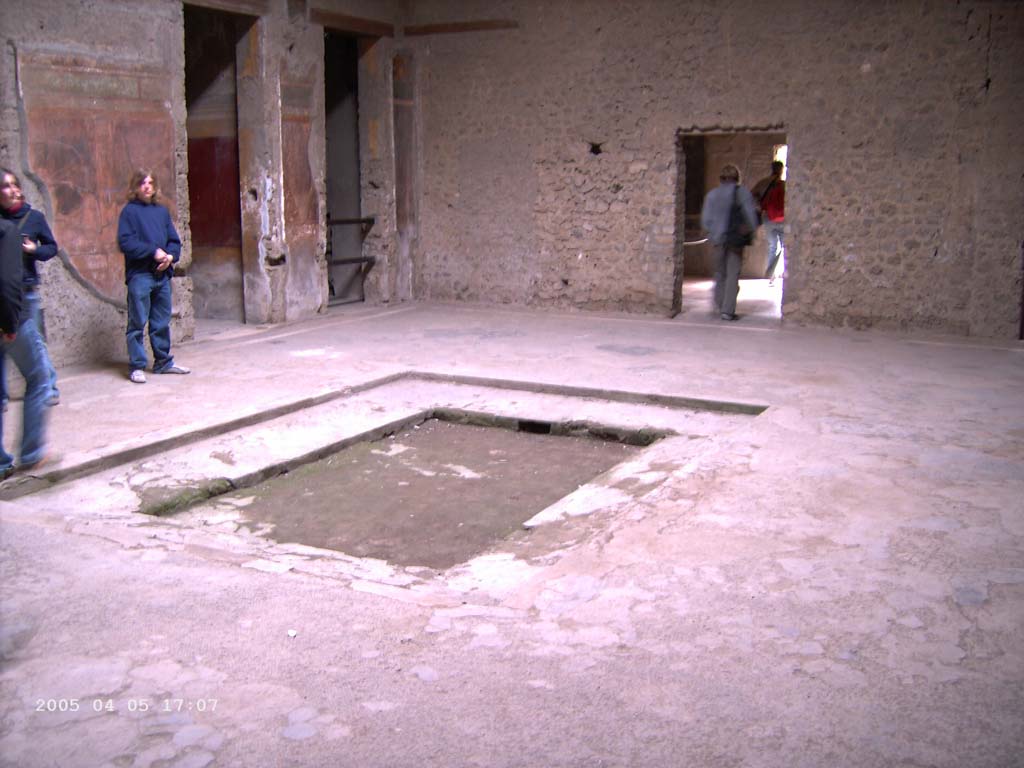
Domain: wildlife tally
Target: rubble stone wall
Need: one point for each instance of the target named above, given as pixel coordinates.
(549, 171)
(543, 159)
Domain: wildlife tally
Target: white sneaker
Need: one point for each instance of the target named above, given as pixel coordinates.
(179, 369)
(138, 376)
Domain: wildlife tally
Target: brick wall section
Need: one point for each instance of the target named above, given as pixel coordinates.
(906, 180)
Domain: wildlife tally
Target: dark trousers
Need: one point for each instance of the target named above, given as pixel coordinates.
(728, 261)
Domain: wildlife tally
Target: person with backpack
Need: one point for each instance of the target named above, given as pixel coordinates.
(730, 220)
(18, 340)
(770, 195)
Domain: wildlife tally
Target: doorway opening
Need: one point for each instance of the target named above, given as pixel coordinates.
(211, 103)
(700, 156)
(346, 226)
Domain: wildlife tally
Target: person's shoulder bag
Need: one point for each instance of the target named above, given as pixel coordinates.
(739, 233)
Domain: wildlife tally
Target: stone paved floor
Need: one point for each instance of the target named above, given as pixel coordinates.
(838, 581)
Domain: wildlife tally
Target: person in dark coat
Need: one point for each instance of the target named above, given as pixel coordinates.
(38, 245)
(18, 340)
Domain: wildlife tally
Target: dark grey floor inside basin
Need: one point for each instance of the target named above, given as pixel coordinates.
(433, 495)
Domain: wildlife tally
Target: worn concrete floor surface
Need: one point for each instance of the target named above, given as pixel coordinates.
(838, 581)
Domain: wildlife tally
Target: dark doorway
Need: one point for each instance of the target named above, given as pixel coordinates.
(700, 157)
(211, 94)
(345, 225)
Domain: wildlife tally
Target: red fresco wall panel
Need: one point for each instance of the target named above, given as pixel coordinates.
(89, 127)
(300, 202)
(301, 212)
(213, 188)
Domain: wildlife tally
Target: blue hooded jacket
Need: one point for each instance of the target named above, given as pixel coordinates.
(141, 229)
(33, 226)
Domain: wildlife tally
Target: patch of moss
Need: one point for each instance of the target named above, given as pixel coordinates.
(166, 501)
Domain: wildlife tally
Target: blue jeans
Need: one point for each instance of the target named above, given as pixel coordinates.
(773, 229)
(24, 351)
(149, 300)
(32, 307)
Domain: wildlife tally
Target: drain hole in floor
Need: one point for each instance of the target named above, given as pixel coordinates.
(433, 495)
(535, 427)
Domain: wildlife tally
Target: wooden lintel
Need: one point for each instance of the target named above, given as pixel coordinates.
(340, 22)
(246, 7)
(485, 25)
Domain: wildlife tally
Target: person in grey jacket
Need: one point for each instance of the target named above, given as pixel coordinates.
(730, 219)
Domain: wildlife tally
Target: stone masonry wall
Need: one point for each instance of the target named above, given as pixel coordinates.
(544, 159)
(906, 180)
(75, 54)
(103, 88)
(376, 143)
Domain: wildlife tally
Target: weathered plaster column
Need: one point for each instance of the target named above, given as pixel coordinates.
(377, 171)
(264, 254)
(303, 151)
